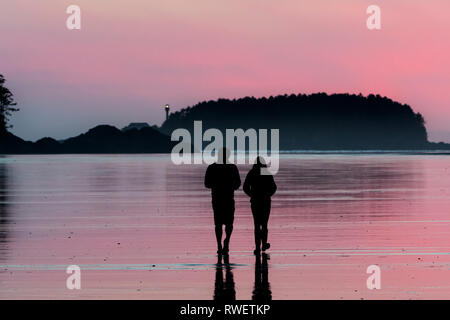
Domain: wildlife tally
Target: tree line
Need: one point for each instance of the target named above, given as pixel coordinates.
(316, 121)
(7, 104)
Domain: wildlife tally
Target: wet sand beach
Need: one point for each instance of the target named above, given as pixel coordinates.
(140, 227)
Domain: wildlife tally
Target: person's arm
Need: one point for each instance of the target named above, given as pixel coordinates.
(247, 185)
(236, 179)
(208, 178)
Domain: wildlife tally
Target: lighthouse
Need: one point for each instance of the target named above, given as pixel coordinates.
(167, 108)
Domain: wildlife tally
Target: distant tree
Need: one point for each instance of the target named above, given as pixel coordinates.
(6, 105)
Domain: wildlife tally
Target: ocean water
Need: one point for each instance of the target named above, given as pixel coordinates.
(140, 227)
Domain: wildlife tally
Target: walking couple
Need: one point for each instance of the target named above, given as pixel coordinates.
(223, 179)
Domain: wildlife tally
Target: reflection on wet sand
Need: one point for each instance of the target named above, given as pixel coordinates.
(140, 227)
(3, 212)
(224, 290)
(261, 288)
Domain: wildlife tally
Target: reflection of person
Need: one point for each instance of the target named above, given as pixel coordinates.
(260, 188)
(224, 291)
(223, 179)
(261, 290)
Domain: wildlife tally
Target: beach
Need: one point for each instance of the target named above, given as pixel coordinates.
(140, 227)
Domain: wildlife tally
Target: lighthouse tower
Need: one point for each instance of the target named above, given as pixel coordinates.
(167, 108)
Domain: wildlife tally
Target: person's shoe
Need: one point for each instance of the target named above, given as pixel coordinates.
(256, 252)
(265, 256)
(265, 246)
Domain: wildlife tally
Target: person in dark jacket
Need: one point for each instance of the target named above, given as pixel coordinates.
(260, 188)
(223, 179)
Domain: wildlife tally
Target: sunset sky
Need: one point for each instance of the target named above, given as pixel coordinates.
(131, 57)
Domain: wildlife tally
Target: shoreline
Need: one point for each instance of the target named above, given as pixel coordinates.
(285, 152)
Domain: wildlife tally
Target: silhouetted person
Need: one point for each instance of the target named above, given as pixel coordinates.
(260, 188)
(261, 289)
(224, 291)
(223, 179)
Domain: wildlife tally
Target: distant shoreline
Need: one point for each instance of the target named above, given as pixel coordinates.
(282, 152)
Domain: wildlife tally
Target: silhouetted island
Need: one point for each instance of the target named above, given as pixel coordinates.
(315, 122)
(306, 122)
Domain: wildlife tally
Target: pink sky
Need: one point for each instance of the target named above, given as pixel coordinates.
(131, 57)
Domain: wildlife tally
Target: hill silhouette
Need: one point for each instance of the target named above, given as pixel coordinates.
(317, 121)
(101, 139)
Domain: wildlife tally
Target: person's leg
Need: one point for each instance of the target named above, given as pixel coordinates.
(257, 233)
(264, 233)
(229, 220)
(218, 230)
(226, 242)
(218, 222)
(264, 228)
(257, 228)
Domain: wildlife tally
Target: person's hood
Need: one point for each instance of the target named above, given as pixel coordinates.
(259, 165)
